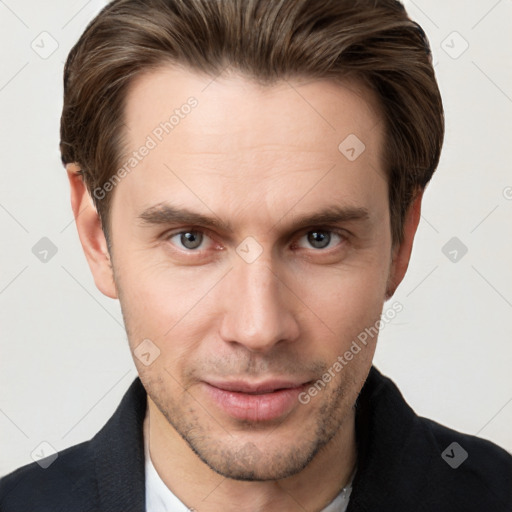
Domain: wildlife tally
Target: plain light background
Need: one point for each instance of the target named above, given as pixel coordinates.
(64, 358)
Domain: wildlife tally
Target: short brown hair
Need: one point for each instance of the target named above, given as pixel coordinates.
(373, 41)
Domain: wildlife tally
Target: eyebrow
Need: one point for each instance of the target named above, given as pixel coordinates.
(165, 213)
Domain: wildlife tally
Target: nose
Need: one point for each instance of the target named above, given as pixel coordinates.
(257, 309)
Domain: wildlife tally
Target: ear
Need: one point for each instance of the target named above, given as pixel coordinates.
(91, 233)
(401, 253)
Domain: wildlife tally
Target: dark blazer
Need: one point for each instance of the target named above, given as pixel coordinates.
(405, 463)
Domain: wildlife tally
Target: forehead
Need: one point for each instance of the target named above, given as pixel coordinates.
(241, 140)
(232, 102)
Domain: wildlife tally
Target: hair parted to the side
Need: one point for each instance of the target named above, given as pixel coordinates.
(372, 41)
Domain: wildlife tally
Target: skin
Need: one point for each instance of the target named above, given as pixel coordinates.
(258, 157)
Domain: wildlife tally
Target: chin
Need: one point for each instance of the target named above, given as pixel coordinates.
(251, 465)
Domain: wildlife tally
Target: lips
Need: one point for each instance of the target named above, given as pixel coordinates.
(268, 386)
(255, 402)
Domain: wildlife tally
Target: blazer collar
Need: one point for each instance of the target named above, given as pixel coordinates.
(119, 455)
(395, 450)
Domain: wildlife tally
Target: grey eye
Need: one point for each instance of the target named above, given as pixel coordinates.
(190, 239)
(319, 239)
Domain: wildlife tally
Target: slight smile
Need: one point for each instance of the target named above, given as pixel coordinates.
(255, 402)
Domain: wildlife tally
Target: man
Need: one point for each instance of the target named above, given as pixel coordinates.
(246, 178)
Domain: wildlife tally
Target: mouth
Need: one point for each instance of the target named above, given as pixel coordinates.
(255, 402)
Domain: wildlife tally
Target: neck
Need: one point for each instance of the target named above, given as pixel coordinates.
(204, 490)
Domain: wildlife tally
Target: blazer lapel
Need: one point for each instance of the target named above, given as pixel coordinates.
(119, 455)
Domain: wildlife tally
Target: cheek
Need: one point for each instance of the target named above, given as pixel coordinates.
(170, 306)
(161, 290)
(344, 301)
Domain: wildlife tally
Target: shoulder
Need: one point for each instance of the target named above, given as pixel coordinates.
(408, 462)
(68, 483)
(471, 469)
(105, 473)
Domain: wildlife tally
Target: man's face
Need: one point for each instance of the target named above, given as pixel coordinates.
(252, 309)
